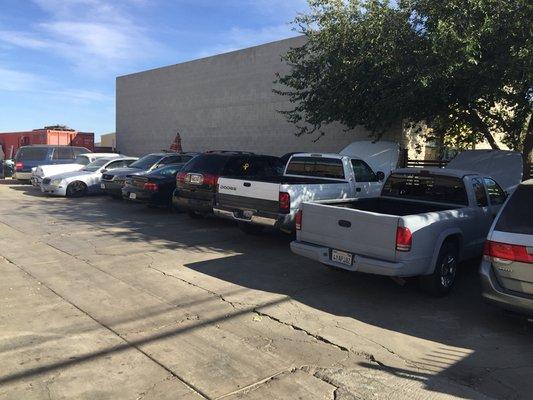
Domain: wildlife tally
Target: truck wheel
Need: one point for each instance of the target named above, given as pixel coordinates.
(441, 281)
(195, 215)
(250, 229)
(76, 189)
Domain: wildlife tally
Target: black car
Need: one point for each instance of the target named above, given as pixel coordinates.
(113, 181)
(197, 181)
(154, 188)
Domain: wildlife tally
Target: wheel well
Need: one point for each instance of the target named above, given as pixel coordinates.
(456, 239)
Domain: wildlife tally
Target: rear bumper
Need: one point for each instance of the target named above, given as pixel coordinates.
(284, 222)
(192, 204)
(494, 293)
(141, 196)
(54, 190)
(361, 263)
(22, 176)
(111, 187)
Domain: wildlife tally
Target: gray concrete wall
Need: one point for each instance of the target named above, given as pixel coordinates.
(220, 102)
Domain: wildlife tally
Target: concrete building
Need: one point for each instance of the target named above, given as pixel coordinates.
(107, 140)
(220, 102)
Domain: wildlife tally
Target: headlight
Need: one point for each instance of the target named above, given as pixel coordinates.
(56, 182)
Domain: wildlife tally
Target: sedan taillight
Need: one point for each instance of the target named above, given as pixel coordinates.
(151, 186)
(19, 166)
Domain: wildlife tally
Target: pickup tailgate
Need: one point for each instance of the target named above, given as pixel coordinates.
(248, 194)
(359, 232)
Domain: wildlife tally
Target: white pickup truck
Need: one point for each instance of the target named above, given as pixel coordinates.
(357, 171)
(424, 223)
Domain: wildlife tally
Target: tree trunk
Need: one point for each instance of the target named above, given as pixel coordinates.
(527, 152)
(485, 131)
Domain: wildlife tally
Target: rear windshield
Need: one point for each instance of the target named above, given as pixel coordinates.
(146, 162)
(435, 188)
(207, 164)
(32, 153)
(316, 166)
(517, 215)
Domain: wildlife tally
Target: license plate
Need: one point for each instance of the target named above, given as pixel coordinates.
(341, 257)
(102, 186)
(133, 196)
(248, 214)
(196, 179)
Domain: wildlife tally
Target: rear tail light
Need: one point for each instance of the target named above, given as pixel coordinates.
(506, 253)
(210, 180)
(404, 239)
(151, 186)
(298, 220)
(284, 202)
(180, 177)
(19, 166)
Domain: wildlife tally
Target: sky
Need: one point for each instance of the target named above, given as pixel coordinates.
(59, 58)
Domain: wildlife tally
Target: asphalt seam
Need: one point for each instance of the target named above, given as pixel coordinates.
(184, 382)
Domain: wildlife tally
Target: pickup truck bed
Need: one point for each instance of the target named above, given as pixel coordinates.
(389, 206)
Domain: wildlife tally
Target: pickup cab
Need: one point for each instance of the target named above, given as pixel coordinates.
(423, 224)
(358, 171)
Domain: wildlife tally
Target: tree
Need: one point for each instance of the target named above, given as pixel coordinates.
(463, 67)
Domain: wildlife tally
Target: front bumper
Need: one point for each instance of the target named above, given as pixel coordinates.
(54, 190)
(22, 176)
(494, 293)
(361, 263)
(284, 222)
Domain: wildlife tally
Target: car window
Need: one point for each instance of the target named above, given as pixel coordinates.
(119, 164)
(263, 166)
(146, 162)
(63, 153)
(479, 193)
(207, 164)
(31, 153)
(496, 194)
(426, 187)
(96, 165)
(83, 160)
(170, 160)
(79, 150)
(237, 166)
(316, 166)
(362, 172)
(517, 214)
(167, 171)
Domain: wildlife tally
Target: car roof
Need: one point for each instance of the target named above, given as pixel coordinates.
(436, 171)
(52, 145)
(101, 154)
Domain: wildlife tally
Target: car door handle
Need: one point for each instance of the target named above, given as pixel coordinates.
(344, 223)
(247, 184)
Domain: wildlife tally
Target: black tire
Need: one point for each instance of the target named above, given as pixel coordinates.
(195, 215)
(251, 229)
(76, 189)
(441, 281)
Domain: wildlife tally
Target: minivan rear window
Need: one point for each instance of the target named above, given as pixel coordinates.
(435, 188)
(32, 153)
(517, 215)
(316, 166)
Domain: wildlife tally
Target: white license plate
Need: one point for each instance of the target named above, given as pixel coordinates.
(133, 196)
(341, 257)
(196, 179)
(102, 186)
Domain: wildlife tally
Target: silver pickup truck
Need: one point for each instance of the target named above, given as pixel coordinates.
(358, 171)
(424, 223)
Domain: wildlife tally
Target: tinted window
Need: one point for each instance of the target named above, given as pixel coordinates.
(171, 160)
(32, 153)
(362, 172)
(517, 215)
(146, 162)
(436, 188)
(167, 171)
(207, 164)
(479, 193)
(264, 166)
(63, 153)
(237, 166)
(84, 160)
(316, 166)
(496, 193)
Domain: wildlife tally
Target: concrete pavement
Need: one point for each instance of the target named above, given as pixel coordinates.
(102, 299)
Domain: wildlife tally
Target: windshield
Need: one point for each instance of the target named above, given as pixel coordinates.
(83, 160)
(167, 171)
(146, 162)
(96, 165)
(435, 188)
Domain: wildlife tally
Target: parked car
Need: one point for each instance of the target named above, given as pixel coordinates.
(153, 188)
(83, 182)
(196, 183)
(113, 181)
(43, 171)
(28, 157)
(358, 171)
(507, 266)
(424, 223)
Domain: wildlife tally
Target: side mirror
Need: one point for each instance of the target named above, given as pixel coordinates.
(380, 175)
(103, 170)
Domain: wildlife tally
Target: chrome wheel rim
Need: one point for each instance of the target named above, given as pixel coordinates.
(448, 270)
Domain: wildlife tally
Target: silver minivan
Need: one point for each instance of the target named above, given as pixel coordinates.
(507, 266)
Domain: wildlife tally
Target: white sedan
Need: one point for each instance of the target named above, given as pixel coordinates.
(44, 171)
(83, 182)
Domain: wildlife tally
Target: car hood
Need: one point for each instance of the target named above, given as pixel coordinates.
(48, 170)
(69, 176)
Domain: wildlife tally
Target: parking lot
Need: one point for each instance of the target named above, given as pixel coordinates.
(105, 299)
